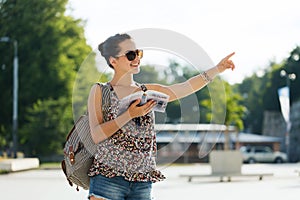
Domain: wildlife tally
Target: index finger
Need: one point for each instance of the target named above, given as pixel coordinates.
(227, 57)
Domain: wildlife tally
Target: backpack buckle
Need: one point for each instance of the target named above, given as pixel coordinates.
(71, 155)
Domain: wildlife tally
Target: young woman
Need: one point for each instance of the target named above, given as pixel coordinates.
(124, 166)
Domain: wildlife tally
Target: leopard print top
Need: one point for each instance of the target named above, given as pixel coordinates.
(131, 151)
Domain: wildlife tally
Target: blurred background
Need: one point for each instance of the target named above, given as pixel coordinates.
(44, 46)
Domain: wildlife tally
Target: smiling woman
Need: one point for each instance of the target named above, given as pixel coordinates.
(125, 162)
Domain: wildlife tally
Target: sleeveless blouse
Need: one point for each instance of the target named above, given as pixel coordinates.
(131, 151)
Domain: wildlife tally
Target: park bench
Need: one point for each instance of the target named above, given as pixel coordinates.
(226, 164)
(225, 175)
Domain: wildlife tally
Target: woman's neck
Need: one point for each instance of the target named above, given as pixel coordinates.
(122, 81)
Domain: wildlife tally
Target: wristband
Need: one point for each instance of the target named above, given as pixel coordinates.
(205, 77)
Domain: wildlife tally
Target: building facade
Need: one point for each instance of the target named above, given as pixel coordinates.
(190, 143)
(274, 125)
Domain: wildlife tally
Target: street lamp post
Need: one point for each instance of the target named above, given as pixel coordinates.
(289, 78)
(15, 93)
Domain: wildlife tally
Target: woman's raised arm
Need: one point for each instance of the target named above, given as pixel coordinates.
(180, 90)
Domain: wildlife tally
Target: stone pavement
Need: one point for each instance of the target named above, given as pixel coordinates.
(51, 184)
(283, 185)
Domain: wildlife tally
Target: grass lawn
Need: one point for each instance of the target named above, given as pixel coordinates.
(51, 165)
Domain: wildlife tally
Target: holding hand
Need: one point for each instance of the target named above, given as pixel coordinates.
(135, 110)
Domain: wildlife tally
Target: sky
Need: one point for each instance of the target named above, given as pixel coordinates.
(258, 31)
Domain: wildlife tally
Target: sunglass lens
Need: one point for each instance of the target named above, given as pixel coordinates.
(130, 55)
(140, 53)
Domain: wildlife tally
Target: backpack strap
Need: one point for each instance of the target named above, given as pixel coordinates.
(106, 91)
(106, 100)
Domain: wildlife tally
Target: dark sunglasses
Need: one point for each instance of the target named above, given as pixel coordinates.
(131, 55)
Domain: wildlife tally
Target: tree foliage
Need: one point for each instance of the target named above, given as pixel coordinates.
(86, 76)
(51, 48)
(148, 74)
(226, 107)
(276, 81)
(48, 122)
(261, 92)
(251, 89)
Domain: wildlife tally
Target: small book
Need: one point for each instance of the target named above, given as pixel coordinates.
(160, 98)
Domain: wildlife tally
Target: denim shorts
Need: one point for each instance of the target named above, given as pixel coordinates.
(117, 188)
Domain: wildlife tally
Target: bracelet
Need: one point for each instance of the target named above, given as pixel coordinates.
(205, 77)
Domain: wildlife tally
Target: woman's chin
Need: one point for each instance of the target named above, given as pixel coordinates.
(135, 70)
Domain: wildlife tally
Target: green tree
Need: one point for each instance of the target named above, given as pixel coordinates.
(290, 65)
(226, 110)
(261, 92)
(148, 74)
(252, 90)
(86, 76)
(52, 47)
(48, 123)
(235, 111)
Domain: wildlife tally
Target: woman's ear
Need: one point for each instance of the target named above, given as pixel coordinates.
(112, 61)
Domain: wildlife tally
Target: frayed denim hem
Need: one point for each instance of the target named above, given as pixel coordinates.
(97, 196)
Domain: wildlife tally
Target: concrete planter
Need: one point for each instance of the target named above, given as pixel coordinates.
(224, 162)
(19, 164)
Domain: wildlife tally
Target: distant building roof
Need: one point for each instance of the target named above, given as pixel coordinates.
(211, 137)
(210, 133)
(249, 137)
(193, 127)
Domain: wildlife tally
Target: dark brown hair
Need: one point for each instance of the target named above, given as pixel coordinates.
(110, 47)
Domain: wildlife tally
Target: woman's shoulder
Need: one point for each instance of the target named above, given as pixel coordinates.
(96, 88)
(100, 86)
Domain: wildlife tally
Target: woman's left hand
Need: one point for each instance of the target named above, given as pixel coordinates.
(226, 63)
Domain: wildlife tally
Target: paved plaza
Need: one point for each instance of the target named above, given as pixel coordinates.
(51, 184)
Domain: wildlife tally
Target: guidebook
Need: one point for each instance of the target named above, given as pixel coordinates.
(160, 98)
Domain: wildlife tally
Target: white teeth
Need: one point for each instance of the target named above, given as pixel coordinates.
(135, 64)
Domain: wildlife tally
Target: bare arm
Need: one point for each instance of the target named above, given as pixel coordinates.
(180, 90)
(102, 130)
